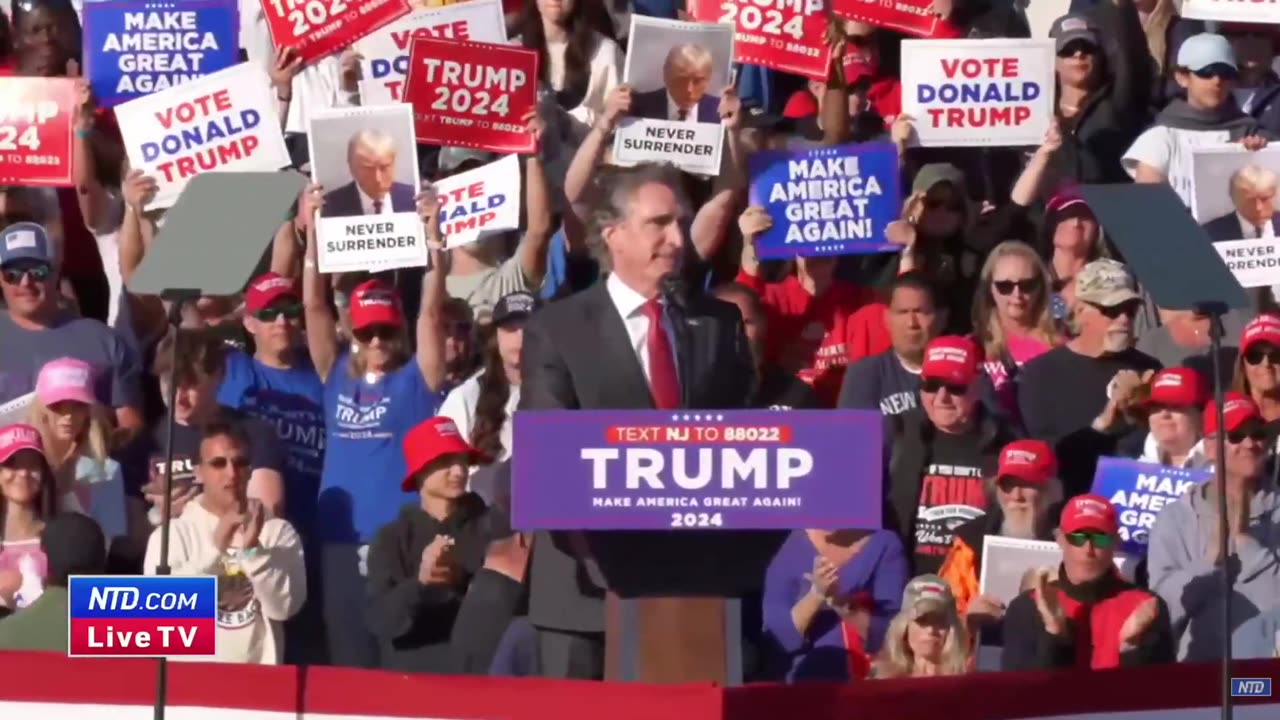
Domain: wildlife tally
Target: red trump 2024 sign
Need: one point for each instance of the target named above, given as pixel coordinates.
(785, 35)
(315, 28)
(472, 94)
(36, 130)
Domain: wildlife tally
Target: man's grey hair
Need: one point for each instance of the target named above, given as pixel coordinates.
(689, 55)
(378, 141)
(612, 194)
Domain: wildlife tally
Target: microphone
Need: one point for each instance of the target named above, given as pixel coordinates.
(673, 293)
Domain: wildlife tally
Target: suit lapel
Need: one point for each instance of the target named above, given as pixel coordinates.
(618, 353)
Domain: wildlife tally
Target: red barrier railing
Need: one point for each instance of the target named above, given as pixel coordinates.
(53, 678)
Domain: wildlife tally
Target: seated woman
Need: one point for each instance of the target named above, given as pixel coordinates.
(1174, 436)
(828, 596)
(28, 500)
(927, 638)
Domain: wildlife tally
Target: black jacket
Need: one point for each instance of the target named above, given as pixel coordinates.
(1095, 613)
(413, 622)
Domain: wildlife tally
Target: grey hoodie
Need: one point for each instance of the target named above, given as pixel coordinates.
(1181, 572)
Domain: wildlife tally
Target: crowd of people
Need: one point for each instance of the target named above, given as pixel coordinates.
(341, 443)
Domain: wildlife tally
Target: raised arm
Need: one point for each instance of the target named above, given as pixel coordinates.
(590, 153)
(93, 198)
(322, 333)
(537, 207)
(284, 69)
(711, 223)
(430, 331)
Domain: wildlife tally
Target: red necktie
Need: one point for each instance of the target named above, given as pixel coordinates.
(663, 380)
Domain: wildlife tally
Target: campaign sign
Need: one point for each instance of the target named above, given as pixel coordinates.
(385, 53)
(142, 616)
(688, 470)
(37, 126)
(827, 200)
(989, 92)
(220, 122)
(786, 35)
(316, 28)
(1230, 11)
(1254, 263)
(913, 17)
(480, 202)
(136, 47)
(472, 94)
(1139, 491)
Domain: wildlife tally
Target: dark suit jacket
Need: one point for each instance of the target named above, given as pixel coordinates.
(653, 105)
(1227, 227)
(345, 201)
(577, 356)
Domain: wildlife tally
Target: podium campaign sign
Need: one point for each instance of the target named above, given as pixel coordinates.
(732, 469)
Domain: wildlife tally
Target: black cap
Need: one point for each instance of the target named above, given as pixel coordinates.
(518, 305)
(74, 545)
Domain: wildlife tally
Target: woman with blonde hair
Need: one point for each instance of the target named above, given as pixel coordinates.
(78, 438)
(927, 638)
(1258, 367)
(1012, 318)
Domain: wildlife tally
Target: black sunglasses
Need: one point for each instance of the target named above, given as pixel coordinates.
(933, 385)
(1114, 311)
(1250, 431)
(1028, 286)
(1100, 540)
(38, 272)
(1256, 355)
(239, 462)
(269, 315)
(382, 332)
(1077, 46)
(1226, 72)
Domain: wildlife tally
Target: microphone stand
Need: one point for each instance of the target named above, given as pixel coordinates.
(673, 293)
(1214, 311)
(177, 299)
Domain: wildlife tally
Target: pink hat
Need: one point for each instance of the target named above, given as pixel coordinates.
(65, 379)
(16, 438)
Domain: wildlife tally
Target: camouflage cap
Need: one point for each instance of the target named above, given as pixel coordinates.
(1107, 283)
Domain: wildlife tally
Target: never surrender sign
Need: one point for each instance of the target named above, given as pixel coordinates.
(385, 53)
(36, 130)
(913, 17)
(316, 28)
(224, 121)
(990, 92)
(785, 35)
(658, 470)
(1140, 491)
(826, 201)
(136, 47)
(471, 94)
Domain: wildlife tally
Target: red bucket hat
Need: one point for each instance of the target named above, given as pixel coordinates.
(433, 439)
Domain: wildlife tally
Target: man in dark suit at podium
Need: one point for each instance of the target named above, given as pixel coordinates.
(686, 78)
(627, 344)
(1253, 194)
(371, 158)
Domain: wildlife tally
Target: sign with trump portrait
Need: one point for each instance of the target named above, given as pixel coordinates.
(366, 161)
(677, 71)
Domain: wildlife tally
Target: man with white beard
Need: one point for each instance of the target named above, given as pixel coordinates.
(1079, 396)
(1025, 487)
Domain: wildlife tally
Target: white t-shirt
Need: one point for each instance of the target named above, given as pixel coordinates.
(460, 407)
(1169, 150)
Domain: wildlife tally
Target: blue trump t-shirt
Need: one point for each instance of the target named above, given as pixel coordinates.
(365, 425)
(291, 401)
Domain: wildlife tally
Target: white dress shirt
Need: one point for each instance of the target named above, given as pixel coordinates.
(630, 305)
(1251, 231)
(366, 204)
(673, 111)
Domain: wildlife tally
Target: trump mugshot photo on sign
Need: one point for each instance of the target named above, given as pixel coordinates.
(1214, 170)
(220, 122)
(990, 92)
(676, 71)
(367, 162)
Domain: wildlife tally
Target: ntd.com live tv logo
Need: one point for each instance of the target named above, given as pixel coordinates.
(113, 616)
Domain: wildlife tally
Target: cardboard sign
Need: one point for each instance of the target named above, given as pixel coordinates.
(133, 48)
(1230, 11)
(913, 17)
(37, 126)
(366, 159)
(472, 94)
(786, 35)
(731, 469)
(480, 202)
(1212, 170)
(1139, 491)
(826, 201)
(385, 53)
(17, 410)
(223, 121)
(316, 28)
(991, 92)
(1255, 263)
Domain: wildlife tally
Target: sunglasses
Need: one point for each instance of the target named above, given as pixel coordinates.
(382, 332)
(269, 315)
(1114, 311)
(1256, 355)
(1100, 540)
(37, 273)
(1077, 46)
(1217, 71)
(1028, 286)
(933, 385)
(1007, 484)
(239, 462)
(1252, 431)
